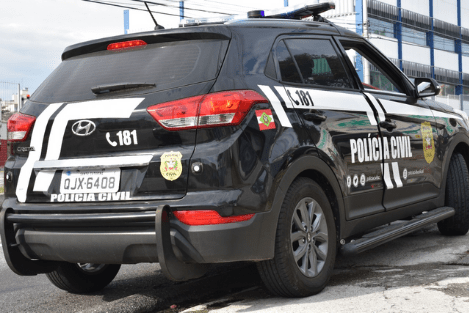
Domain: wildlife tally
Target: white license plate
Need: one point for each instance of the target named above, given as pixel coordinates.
(88, 181)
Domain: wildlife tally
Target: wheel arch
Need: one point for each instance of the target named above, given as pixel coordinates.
(320, 178)
(312, 167)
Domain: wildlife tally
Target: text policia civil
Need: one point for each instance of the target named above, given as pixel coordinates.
(90, 197)
(372, 149)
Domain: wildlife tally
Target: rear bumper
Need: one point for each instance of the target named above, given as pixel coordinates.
(124, 236)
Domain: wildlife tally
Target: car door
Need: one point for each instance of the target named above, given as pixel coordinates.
(341, 122)
(407, 131)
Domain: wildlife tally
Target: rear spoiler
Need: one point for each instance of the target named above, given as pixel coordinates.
(157, 36)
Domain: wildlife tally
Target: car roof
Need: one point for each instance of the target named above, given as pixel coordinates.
(214, 31)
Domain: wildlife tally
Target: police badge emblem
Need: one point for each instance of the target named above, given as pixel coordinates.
(428, 143)
(171, 166)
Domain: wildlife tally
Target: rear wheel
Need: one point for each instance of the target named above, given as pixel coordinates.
(83, 277)
(305, 244)
(457, 197)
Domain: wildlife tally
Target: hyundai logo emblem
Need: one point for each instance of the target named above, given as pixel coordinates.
(83, 128)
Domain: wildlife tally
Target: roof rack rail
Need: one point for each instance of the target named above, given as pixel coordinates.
(297, 12)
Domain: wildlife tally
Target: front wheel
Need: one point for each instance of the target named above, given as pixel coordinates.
(83, 277)
(305, 244)
(457, 197)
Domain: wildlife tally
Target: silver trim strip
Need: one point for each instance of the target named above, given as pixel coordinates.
(386, 92)
(90, 163)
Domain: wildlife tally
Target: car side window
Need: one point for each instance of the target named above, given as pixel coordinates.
(288, 68)
(381, 74)
(270, 67)
(314, 62)
(377, 79)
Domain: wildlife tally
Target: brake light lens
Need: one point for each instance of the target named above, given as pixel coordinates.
(226, 108)
(19, 125)
(126, 44)
(208, 217)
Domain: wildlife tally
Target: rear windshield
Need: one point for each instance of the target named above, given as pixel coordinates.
(168, 65)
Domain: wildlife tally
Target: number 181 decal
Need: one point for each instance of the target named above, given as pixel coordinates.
(126, 138)
(303, 96)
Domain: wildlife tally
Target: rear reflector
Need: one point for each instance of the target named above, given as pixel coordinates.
(19, 125)
(126, 44)
(216, 109)
(208, 217)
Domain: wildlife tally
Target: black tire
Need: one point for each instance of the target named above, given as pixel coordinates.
(457, 197)
(76, 278)
(285, 277)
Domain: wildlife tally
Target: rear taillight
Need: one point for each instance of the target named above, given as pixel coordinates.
(19, 125)
(225, 108)
(208, 217)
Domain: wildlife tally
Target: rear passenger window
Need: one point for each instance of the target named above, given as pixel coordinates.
(314, 61)
(270, 68)
(288, 68)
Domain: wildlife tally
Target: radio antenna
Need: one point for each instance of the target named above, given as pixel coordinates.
(156, 24)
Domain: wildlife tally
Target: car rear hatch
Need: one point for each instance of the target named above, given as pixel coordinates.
(94, 138)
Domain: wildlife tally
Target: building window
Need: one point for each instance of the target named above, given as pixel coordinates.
(414, 36)
(442, 43)
(381, 28)
(465, 49)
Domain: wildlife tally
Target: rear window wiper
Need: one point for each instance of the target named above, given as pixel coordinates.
(97, 90)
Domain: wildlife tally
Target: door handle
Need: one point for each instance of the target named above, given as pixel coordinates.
(388, 125)
(314, 117)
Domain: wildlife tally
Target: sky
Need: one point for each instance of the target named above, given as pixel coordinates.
(34, 33)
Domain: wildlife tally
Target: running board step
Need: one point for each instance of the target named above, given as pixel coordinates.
(394, 231)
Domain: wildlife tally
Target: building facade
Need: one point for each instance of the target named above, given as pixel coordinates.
(424, 38)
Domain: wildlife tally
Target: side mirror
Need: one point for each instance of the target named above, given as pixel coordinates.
(426, 87)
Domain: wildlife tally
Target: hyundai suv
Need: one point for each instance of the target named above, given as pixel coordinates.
(260, 139)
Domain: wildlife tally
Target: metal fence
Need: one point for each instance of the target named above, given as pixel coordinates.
(387, 12)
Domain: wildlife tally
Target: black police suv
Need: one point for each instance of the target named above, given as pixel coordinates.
(250, 140)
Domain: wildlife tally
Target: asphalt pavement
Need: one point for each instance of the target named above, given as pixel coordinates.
(421, 272)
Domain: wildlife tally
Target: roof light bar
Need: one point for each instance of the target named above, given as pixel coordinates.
(297, 12)
(301, 11)
(256, 14)
(186, 22)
